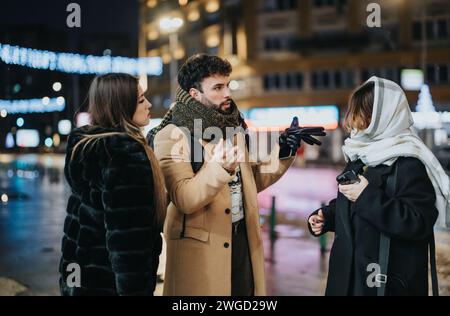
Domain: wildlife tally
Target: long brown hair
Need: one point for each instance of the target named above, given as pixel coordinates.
(113, 100)
(360, 106)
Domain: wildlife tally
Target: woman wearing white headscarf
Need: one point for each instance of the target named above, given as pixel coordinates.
(383, 224)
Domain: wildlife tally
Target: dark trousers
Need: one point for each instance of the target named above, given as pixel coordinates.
(241, 265)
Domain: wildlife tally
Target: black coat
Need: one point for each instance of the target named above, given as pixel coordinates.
(110, 229)
(407, 218)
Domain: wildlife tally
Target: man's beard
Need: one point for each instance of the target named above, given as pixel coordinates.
(206, 102)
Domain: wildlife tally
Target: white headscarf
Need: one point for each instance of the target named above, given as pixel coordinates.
(390, 136)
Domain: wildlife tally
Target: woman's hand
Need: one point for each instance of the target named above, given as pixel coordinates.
(353, 191)
(316, 222)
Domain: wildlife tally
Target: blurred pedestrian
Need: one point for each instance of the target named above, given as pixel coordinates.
(212, 230)
(393, 191)
(118, 202)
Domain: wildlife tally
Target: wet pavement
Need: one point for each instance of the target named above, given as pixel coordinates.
(295, 264)
(31, 224)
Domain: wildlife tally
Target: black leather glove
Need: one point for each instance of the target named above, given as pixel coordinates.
(288, 145)
(290, 139)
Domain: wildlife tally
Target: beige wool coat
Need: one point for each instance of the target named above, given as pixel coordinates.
(200, 263)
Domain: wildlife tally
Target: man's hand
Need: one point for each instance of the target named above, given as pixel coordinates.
(290, 139)
(306, 134)
(316, 222)
(227, 155)
(353, 191)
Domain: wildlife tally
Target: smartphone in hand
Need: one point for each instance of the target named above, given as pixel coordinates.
(348, 177)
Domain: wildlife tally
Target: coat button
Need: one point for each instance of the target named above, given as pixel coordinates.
(226, 245)
(227, 211)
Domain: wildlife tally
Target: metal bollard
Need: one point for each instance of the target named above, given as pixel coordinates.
(272, 233)
(273, 221)
(323, 239)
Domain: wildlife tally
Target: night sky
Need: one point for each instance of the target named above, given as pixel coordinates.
(41, 24)
(97, 16)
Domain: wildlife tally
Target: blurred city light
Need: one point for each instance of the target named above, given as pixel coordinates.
(57, 86)
(280, 118)
(48, 142)
(412, 79)
(152, 34)
(82, 119)
(425, 102)
(64, 127)
(32, 106)
(79, 64)
(193, 14)
(143, 82)
(234, 85)
(179, 52)
(166, 58)
(152, 3)
(3, 113)
(424, 120)
(170, 25)
(17, 88)
(4, 198)
(9, 143)
(20, 121)
(56, 140)
(27, 138)
(60, 100)
(213, 40)
(212, 6)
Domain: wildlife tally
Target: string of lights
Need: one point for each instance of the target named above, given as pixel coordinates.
(43, 105)
(78, 64)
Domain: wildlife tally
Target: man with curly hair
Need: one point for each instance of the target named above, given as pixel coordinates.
(212, 228)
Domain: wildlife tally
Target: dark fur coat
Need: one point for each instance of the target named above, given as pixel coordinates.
(110, 229)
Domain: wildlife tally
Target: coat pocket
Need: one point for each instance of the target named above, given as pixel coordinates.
(190, 232)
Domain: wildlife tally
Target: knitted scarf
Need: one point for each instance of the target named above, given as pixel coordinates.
(187, 109)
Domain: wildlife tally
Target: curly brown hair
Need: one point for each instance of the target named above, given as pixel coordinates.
(201, 66)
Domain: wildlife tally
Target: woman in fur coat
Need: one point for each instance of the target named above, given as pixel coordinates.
(112, 242)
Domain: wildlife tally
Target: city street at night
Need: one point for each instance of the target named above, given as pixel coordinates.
(255, 147)
(32, 224)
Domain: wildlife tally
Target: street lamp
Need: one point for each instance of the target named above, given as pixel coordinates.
(171, 25)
